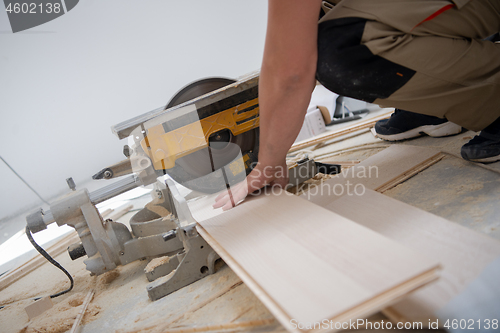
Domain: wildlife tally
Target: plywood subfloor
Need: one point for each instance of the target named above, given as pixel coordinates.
(121, 303)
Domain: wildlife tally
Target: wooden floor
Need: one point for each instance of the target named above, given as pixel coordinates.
(462, 192)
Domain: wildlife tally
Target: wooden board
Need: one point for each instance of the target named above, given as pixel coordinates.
(379, 172)
(307, 264)
(329, 135)
(463, 253)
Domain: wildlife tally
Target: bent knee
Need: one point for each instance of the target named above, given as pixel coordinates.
(347, 67)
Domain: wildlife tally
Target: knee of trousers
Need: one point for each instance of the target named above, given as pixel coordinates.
(347, 67)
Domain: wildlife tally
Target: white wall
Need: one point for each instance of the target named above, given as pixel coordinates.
(65, 83)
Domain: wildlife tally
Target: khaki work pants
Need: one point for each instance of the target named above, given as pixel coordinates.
(433, 47)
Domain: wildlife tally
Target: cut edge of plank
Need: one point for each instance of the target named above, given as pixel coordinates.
(333, 134)
(386, 299)
(394, 315)
(410, 173)
(226, 326)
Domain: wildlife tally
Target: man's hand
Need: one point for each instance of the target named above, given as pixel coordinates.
(262, 175)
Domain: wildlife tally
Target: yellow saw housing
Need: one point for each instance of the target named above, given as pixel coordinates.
(164, 148)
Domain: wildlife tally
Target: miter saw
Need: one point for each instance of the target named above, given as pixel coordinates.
(206, 139)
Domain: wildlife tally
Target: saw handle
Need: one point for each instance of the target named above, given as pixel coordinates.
(328, 169)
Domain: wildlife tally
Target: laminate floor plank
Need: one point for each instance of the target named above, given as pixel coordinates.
(309, 264)
(462, 252)
(388, 167)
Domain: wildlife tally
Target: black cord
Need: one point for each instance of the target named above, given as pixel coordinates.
(52, 261)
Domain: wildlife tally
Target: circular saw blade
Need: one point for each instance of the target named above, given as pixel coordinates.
(200, 170)
(198, 88)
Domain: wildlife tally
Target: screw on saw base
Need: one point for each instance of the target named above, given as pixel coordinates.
(169, 235)
(127, 151)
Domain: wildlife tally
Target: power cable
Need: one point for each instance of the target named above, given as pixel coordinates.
(52, 261)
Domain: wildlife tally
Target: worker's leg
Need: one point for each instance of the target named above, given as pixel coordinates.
(438, 67)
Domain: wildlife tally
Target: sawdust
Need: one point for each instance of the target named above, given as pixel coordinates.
(155, 263)
(75, 301)
(467, 188)
(245, 306)
(60, 317)
(46, 280)
(143, 316)
(222, 279)
(107, 278)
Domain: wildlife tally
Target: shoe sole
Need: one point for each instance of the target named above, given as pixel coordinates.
(485, 160)
(435, 131)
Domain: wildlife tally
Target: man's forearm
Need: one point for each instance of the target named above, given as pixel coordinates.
(287, 75)
(283, 103)
(287, 78)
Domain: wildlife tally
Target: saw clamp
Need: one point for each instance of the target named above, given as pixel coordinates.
(109, 244)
